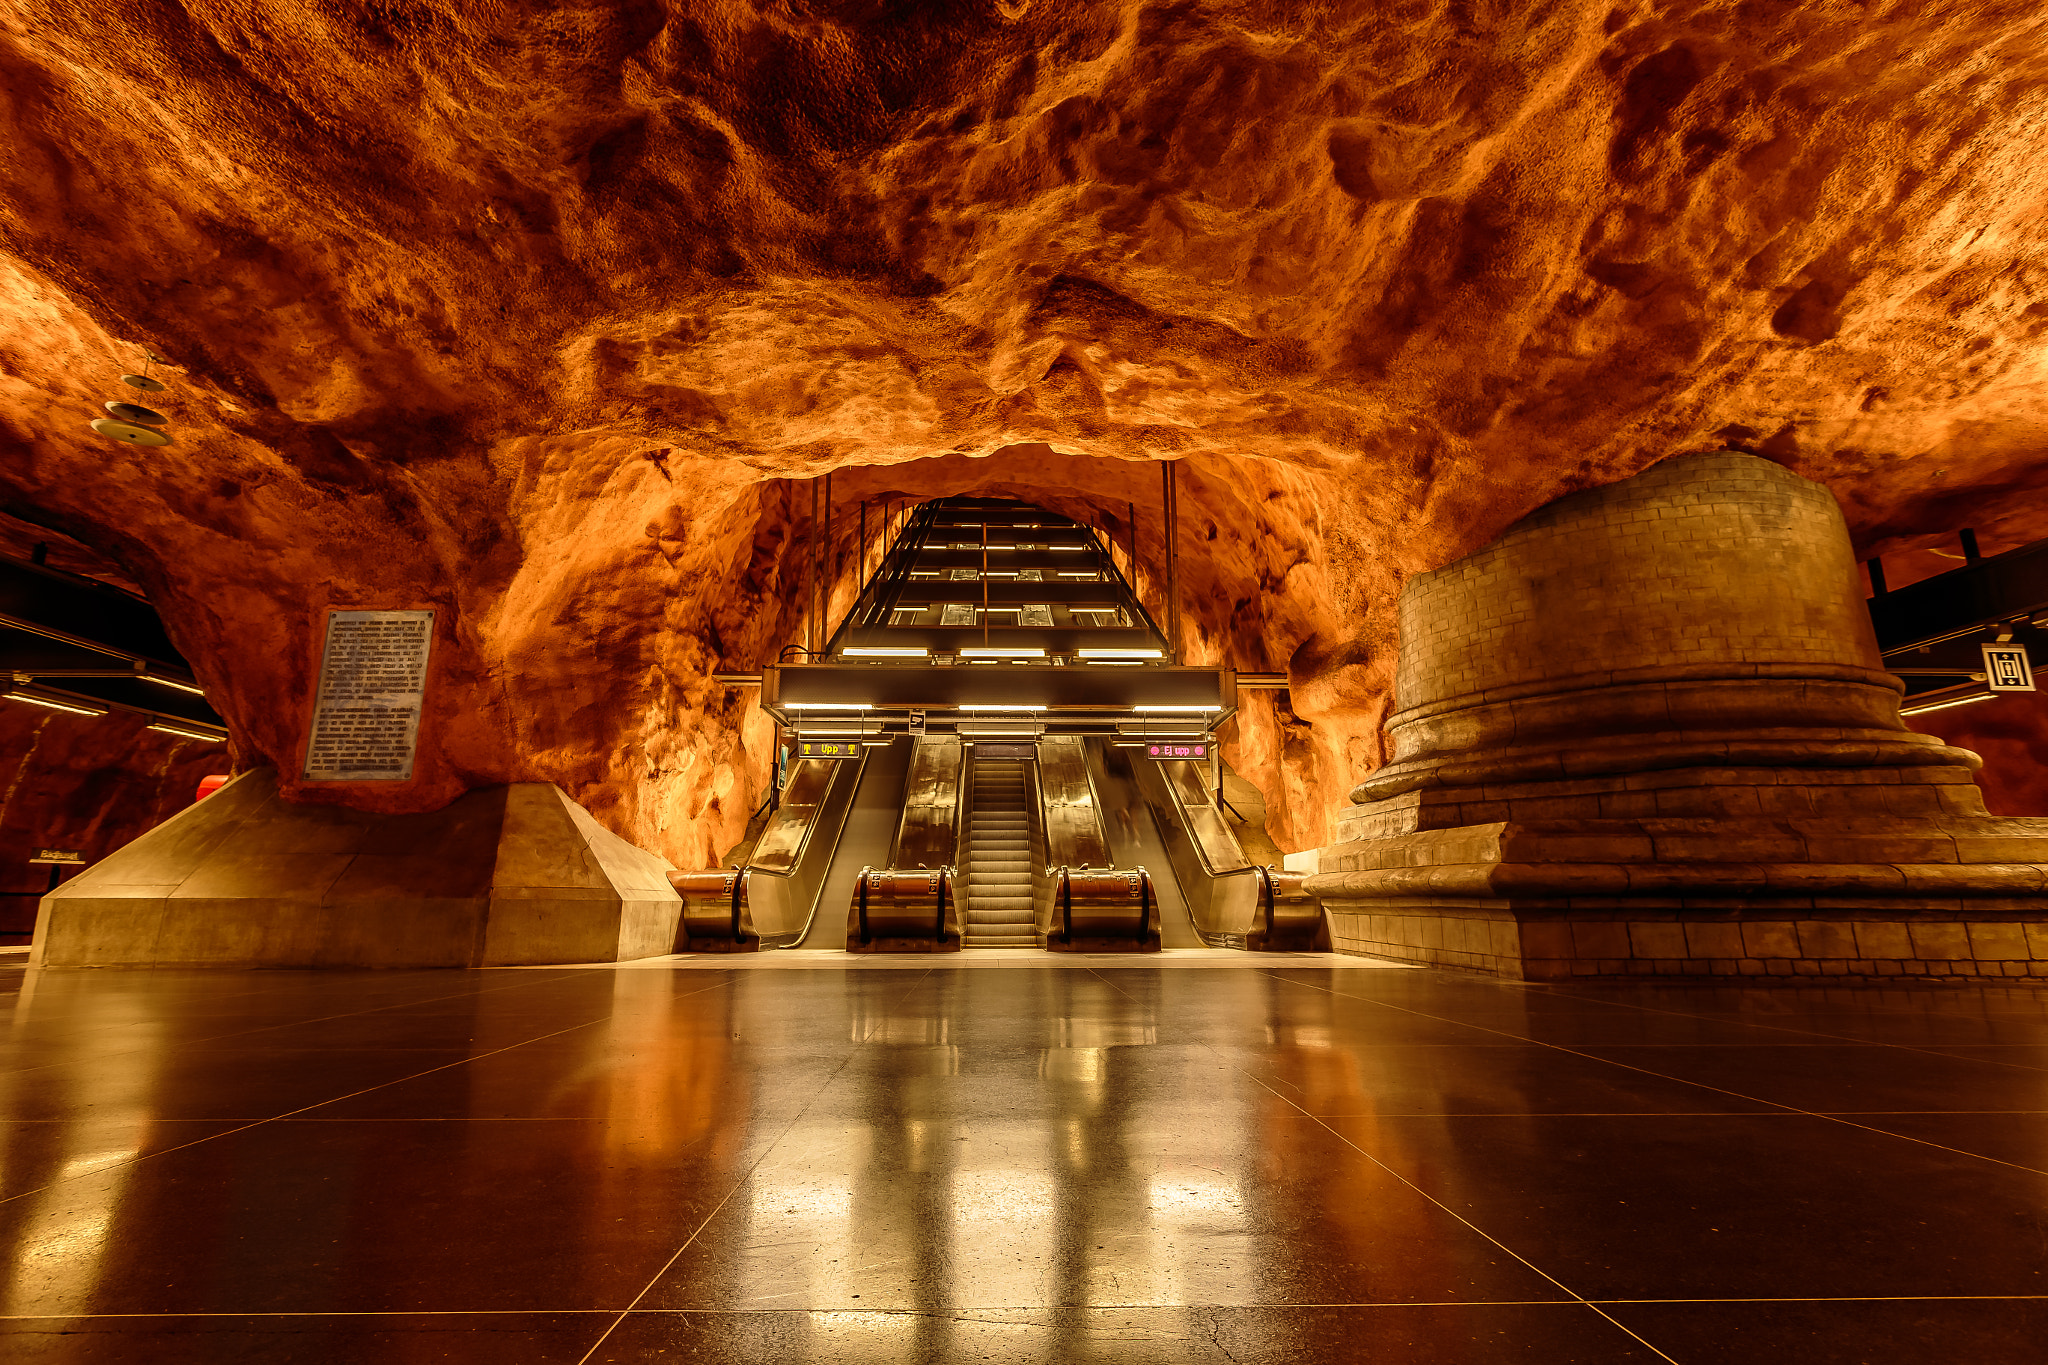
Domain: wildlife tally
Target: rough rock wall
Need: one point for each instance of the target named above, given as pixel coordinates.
(85, 783)
(532, 313)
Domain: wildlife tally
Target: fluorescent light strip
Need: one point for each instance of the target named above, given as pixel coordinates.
(1000, 652)
(175, 686)
(1201, 710)
(1035, 706)
(1121, 653)
(186, 734)
(879, 652)
(1944, 705)
(828, 706)
(56, 705)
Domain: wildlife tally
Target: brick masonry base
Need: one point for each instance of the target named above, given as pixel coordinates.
(1551, 946)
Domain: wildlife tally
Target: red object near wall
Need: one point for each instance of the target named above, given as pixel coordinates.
(211, 784)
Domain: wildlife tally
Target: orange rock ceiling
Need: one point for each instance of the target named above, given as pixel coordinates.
(541, 314)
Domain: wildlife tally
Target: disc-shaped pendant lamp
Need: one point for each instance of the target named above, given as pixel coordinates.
(131, 433)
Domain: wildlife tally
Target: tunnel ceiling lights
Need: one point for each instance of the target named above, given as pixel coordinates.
(1197, 710)
(1000, 652)
(56, 705)
(1945, 704)
(174, 684)
(188, 732)
(1024, 706)
(1120, 653)
(885, 652)
(828, 705)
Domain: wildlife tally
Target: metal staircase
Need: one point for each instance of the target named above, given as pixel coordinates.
(999, 860)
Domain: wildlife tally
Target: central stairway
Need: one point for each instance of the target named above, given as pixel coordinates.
(999, 860)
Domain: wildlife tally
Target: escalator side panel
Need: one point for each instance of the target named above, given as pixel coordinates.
(1134, 840)
(1074, 836)
(1223, 904)
(869, 827)
(782, 844)
(929, 833)
(789, 864)
(1213, 838)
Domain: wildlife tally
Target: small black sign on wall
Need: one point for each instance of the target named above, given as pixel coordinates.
(58, 855)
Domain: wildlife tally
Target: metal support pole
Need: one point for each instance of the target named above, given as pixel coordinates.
(817, 574)
(1169, 497)
(984, 580)
(825, 587)
(1876, 567)
(1970, 553)
(863, 544)
(1132, 555)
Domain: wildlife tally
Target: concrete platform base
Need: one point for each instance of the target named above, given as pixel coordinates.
(505, 876)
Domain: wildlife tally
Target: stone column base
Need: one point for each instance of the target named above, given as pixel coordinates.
(1969, 941)
(512, 875)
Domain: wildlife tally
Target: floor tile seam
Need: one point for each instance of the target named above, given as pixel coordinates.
(1450, 1212)
(274, 1118)
(745, 1176)
(1425, 1195)
(1538, 988)
(1701, 1085)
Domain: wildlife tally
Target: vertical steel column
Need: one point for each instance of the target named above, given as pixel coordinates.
(863, 544)
(1169, 495)
(984, 580)
(1132, 557)
(824, 584)
(811, 626)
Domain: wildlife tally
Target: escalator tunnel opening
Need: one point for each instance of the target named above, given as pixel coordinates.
(998, 749)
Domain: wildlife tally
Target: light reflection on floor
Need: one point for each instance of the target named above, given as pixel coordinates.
(1273, 1163)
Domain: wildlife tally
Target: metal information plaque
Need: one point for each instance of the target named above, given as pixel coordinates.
(373, 677)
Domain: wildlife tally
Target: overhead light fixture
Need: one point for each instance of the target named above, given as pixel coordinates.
(55, 705)
(884, 652)
(173, 684)
(1196, 710)
(184, 733)
(1000, 652)
(1121, 653)
(827, 706)
(1034, 706)
(1944, 705)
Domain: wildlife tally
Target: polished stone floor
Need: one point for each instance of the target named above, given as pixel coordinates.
(1026, 1163)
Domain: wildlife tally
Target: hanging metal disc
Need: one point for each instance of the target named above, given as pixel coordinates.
(129, 432)
(135, 412)
(143, 382)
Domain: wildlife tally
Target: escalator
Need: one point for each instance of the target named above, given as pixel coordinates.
(989, 754)
(1001, 858)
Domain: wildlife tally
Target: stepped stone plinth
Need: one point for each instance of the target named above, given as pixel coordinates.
(1648, 732)
(511, 875)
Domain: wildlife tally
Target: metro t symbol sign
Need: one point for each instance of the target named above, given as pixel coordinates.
(2006, 668)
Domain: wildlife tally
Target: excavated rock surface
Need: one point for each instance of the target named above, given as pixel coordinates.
(540, 315)
(89, 784)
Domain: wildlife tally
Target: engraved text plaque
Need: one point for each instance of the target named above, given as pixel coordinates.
(373, 676)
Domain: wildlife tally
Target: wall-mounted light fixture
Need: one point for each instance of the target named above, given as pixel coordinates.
(54, 704)
(184, 732)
